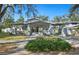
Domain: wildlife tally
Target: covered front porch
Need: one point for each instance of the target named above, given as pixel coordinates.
(38, 27)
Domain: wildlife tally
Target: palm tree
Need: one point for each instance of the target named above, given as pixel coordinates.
(57, 19)
(44, 18)
(10, 9)
(74, 9)
(74, 12)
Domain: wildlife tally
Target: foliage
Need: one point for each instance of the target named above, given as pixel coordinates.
(10, 9)
(20, 20)
(61, 18)
(74, 12)
(43, 44)
(7, 23)
(74, 9)
(43, 18)
(57, 19)
(74, 18)
(3, 34)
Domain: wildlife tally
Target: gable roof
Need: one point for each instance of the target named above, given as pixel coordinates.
(34, 21)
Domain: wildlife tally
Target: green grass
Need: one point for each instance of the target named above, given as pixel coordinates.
(13, 38)
(8, 36)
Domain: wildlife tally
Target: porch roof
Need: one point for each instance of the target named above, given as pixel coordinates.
(36, 21)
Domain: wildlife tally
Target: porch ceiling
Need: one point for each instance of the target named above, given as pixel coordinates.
(39, 24)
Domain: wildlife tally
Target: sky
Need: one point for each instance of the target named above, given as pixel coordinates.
(51, 10)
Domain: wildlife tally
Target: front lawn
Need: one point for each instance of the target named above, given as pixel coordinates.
(13, 38)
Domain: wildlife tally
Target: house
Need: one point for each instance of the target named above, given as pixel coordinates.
(36, 26)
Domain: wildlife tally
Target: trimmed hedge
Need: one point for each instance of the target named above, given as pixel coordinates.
(42, 44)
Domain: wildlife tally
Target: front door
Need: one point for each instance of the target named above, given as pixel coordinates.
(37, 29)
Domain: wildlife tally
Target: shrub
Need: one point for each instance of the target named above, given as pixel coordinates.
(3, 34)
(42, 44)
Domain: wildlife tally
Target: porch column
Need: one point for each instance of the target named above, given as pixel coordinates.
(29, 29)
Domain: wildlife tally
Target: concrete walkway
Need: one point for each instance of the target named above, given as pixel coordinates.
(20, 43)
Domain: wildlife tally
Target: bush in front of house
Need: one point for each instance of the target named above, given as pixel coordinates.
(42, 44)
(3, 34)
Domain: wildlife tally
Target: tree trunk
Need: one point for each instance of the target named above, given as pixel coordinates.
(3, 11)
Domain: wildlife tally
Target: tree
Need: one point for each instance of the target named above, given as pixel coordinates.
(57, 19)
(74, 10)
(74, 18)
(7, 23)
(0, 27)
(20, 20)
(10, 9)
(7, 10)
(65, 18)
(44, 18)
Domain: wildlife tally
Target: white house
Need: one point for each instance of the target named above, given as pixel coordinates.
(39, 26)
